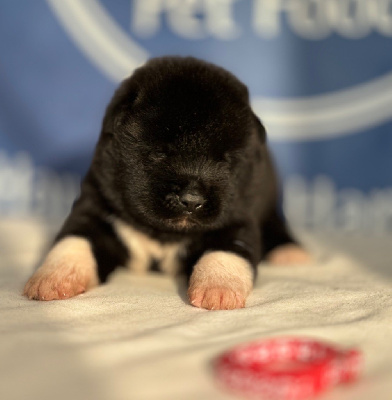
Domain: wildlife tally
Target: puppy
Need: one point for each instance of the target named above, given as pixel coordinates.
(181, 181)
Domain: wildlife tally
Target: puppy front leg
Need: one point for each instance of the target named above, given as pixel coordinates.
(85, 252)
(69, 269)
(220, 280)
(223, 276)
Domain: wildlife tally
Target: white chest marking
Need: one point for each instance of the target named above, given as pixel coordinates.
(144, 249)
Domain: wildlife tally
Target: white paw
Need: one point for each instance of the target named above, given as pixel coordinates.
(216, 298)
(220, 281)
(68, 270)
(289, 254)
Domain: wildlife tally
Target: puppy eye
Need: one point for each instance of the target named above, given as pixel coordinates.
(227, 157)
(157, 156)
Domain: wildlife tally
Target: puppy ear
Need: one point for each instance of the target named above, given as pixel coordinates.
(260, 128)
(120, 107)
(112, 120)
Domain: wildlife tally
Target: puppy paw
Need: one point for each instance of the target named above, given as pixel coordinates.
(220, 281)
(289, 254)
(54, 285)
(216, 298)
(68, 270)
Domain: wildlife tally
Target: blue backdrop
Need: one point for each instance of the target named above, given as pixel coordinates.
(319, 72)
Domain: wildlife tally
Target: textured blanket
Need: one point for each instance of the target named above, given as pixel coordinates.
(138, 338)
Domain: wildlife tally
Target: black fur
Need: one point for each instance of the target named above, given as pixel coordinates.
(179, 142)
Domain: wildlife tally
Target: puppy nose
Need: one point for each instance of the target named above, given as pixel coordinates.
(191, 201)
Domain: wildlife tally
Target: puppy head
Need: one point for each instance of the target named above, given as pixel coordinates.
(178, 139)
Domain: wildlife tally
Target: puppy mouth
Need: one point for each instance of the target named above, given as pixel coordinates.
(184, 222)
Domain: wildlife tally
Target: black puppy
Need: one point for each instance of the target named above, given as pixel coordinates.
(181, 180)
